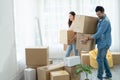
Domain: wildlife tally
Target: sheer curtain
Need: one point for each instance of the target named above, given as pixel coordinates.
(32, 29)
(54, 15)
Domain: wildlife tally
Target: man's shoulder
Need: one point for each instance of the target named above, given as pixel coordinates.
(106, 20)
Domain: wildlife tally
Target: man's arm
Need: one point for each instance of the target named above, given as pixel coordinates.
(103, 28)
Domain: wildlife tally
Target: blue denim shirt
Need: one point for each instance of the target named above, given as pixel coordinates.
(103, 34)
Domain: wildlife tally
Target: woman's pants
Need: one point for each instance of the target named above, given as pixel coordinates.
(70, 48)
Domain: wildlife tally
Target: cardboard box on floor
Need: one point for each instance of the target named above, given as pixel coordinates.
(65, 36)
(85, 59)
(59, 75)
(44, 72)
(85, 24)
(90, 45)
(72, 73)
(37, 56)
(116, 58)
(82, 52)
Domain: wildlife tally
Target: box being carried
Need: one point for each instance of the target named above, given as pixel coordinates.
(37, 56)
(65, 36)
(72, 61)
(59, 75)
(85, 24)
(90, 45)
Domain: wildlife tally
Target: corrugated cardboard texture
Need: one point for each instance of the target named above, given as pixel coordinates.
(85, 58)
(116, 58)
(71, 71)
(90, 45)
(44, 72)
(85, 24)
(59, 75)
(37, 56)
(65, 36)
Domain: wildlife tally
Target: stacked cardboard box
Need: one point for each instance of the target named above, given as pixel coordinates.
(44, 72)
(90, 45)
(72, 72)
(116, 58)
(85, 24)
(37, 56)
(65, 36)
(85, 59)
(59, 75)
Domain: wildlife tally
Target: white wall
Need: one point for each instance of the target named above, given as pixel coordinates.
(25, 23)
(8, 65)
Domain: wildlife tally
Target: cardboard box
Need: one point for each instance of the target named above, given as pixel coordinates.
(82, 52)
(85, 59)
(37, 56)
(44, 72)
(72, 73)
(34, 67)
(85, 24)
(90, 45)
(116, 58)
(59, 75)
(65, 36)
(72, 61)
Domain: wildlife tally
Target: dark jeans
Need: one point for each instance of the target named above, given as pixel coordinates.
(103, 63)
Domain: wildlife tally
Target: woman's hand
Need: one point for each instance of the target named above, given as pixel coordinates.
(70, 41)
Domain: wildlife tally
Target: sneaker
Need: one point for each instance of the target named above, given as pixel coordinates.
(108, 78)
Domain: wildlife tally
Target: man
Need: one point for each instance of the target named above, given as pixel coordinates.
(103, 41)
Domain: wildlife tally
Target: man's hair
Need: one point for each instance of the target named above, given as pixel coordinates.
(99, 8)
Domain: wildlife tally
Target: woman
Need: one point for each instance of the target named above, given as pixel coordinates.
(73, 45)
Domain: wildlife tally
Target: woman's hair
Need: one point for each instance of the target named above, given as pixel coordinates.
(73, 14)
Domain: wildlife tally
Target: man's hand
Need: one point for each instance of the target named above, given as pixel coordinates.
(84, 41)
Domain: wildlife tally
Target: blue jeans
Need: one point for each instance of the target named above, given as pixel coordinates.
(103, 63)
(70, 48)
